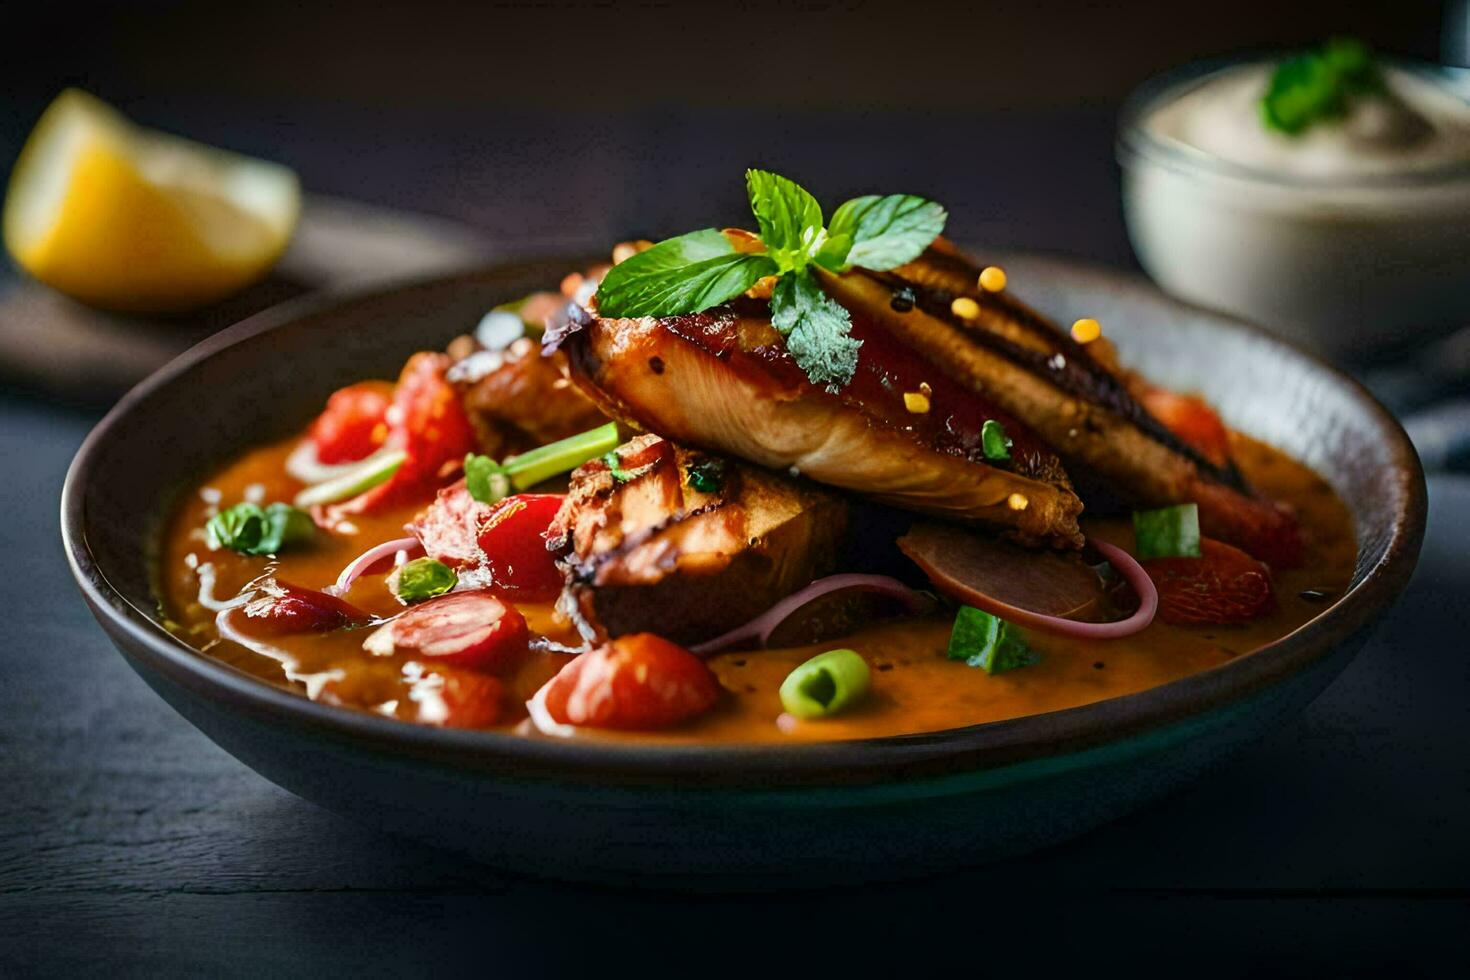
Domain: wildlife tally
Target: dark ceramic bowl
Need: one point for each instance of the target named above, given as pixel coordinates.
(729, 814)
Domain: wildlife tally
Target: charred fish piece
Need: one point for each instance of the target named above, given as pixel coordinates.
(685, 544)
(901, 432)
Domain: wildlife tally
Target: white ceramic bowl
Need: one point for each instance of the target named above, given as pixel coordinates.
(1345, 265)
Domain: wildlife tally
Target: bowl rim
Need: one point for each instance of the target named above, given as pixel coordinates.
(146, 644)
(1135, 142)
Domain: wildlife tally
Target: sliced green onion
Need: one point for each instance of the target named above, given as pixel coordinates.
(489, 481)
(989, 642)
(254, 530)
(826, 684)
(1170, 532)
(424, 578)
(374, 470)
(993, 440)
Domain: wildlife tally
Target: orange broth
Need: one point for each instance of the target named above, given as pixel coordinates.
(915, 687)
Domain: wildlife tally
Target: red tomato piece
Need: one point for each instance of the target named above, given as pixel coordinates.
(353, 425)
(512, 536)
(428, 420)
(1191, 419)
(281, 607)
(507, 540)
(475, 630)
(1223, 587)
(636, 682)
(458, 698)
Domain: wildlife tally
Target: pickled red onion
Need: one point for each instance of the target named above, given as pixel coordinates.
(359, 565)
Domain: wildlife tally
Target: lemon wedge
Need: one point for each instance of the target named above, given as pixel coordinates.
(130, 219)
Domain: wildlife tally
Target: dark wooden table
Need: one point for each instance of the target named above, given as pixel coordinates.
(129, 844)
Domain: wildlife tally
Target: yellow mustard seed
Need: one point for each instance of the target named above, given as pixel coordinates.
(916, 402)
(1086, 330)
(993, 279)
(1017, 501)
(965, 308)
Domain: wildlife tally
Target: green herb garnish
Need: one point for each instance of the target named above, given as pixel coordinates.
(706, 475)
(989, 642)
(1169, 532)
(1318, 86)
(693, 272)
(424, 578)
(615, 467)
(489, 481)
(826, 684)
(993, 440)
(255, 530)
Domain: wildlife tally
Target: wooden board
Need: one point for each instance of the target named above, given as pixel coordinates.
(57, 346)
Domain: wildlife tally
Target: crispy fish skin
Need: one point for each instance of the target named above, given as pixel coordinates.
(655, 553)
(1074, 396)
(723, 381)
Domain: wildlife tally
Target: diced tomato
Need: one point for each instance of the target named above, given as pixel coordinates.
(353, 425)
(281, 607)
(428, 420)
(458, 698)
(1191, 419)
(636, 682)
(506, 539)
(513, 539)
(1224, 586)
(475, 630)
(1264, 528)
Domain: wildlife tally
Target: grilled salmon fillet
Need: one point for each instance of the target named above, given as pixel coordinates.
(1073, 396)
(723, 381)
(686, 544)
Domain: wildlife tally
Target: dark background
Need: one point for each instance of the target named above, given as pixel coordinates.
(566, 123)
(131, 845)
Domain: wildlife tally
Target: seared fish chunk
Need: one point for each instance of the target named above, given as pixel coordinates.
(685, 544)
(1074, 396)
(516, 399)
(902, 431)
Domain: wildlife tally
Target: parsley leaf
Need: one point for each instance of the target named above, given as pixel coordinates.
(789, 217)
(887, 231)
(989, 642)
(614, 464)
(254, 530)
(423, 578)
(1317, 86)
(816, 329)
(687, 274)
(706, 475)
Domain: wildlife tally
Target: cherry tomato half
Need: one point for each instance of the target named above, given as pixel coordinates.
(635, 682)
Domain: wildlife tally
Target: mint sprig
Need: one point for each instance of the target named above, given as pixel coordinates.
(693, 272)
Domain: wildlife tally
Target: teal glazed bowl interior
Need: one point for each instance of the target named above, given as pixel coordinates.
(740, 815)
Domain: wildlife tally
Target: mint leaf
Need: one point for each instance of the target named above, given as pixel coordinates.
(832, 254)
(887, 231)
(687, 274)
(816, 328)
(789, 217)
